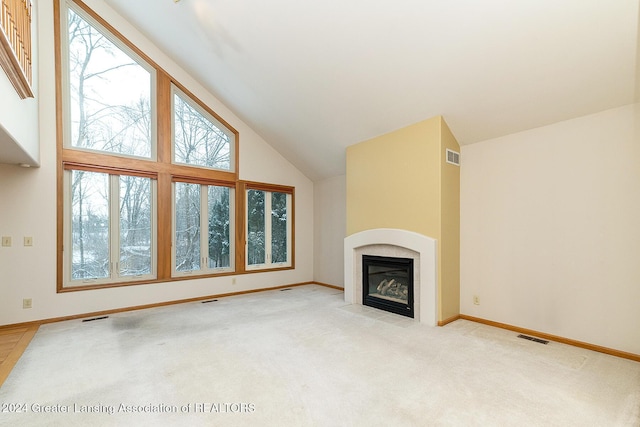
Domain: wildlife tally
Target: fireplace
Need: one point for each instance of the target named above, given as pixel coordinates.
(387, 284)
(390, 242)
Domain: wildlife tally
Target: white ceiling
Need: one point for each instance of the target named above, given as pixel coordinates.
(313, 77)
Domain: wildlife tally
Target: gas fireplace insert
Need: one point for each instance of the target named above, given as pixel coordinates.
(387, 284)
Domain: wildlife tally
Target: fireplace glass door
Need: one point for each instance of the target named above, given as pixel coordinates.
(388, 284)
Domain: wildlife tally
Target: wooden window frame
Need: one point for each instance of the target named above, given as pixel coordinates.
(206, 271)
(161, 169)
(115, 277)
(201, 108)
(242, 230)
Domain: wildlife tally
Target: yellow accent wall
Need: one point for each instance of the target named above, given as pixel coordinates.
(401, 180)
(449, 243)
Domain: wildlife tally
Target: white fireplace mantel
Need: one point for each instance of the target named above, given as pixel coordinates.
(427, 294)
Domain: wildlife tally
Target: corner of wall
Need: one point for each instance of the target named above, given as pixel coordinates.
(449, 245)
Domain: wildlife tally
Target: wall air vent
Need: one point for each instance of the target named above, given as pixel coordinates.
(95, 318)
(538, 340)
(453, 157)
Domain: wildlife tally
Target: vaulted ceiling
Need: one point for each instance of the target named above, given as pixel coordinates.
(313, 77)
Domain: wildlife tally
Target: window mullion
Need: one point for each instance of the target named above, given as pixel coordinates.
(67, 251)
(114, 225)
(289, 228)
(267, 227)
(204, 228)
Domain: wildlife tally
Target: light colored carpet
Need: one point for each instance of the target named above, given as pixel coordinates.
(302, 357)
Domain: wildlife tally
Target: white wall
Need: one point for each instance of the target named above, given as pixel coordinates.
(330, 229)
(28, 208)
(550, 229)
(18, 135)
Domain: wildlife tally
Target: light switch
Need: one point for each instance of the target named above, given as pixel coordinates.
(28, 241)
(6, 240)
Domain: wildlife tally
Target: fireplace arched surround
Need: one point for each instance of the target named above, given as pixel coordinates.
(393, 242)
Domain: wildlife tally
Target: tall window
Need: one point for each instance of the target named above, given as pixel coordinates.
(268, 229)
(203, 221)
(110, 211)
(140, 157)
(148, 174)
(136, 231)
(111, 221)
(109, 92)
(202, 213)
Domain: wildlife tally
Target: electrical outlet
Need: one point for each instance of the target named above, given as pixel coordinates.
(26, 303)
(233, 280)
(476, 300)
(28, 241)
(6, 240)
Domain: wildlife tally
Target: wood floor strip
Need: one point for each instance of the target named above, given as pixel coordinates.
(9, 331)
(18, 348)
(7, 346)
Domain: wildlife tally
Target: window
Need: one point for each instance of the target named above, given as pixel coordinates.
(203, 220)
(199, 139)
(269, 225)
(111, 221)
(109, 106)
(136, 226)
(148, 174)
(133, 143)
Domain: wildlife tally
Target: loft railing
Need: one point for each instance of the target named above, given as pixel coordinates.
(15, 44)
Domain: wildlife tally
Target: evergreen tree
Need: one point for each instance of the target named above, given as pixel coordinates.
(218, 227)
